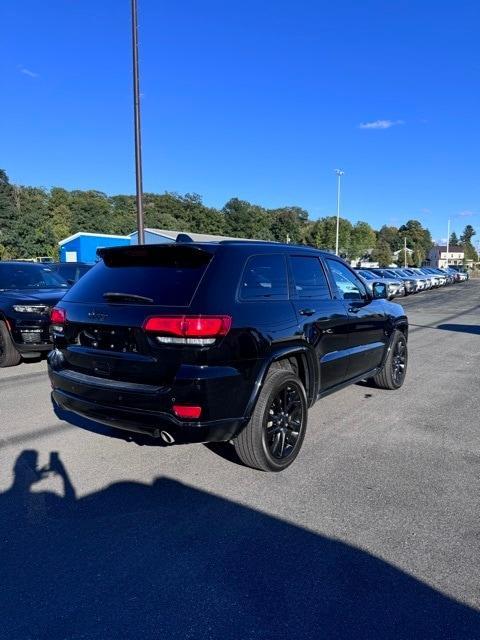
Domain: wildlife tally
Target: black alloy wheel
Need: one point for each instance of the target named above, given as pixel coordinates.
(274, 434)
(283, 421)
(393, 372)
(399, 361)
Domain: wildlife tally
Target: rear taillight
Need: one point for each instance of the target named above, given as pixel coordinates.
(187, 411)
(195, 330)
(58, 318)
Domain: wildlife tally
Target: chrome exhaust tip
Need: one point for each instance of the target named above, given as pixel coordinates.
(167, 437)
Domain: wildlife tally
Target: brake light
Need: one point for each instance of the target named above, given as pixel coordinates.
(187, 411)
(187, 327)
(58, 316)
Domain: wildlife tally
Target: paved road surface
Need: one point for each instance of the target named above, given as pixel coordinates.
(373, 533)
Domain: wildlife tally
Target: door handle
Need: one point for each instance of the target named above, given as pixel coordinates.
(307, 312)
(354, 309)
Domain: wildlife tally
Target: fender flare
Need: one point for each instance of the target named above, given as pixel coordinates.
(400, 323)
(311, 369)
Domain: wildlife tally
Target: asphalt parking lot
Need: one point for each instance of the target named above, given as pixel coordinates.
(372, 533)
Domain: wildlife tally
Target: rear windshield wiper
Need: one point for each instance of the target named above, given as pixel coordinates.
(132, 297)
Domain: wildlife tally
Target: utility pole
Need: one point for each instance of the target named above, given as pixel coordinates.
(405, 250)
(137, 128)
(448, 240)
(339, 174)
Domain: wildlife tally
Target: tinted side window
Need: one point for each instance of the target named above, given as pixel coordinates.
(349, 287)
(264, 277)
(68, 272)
(308, 278)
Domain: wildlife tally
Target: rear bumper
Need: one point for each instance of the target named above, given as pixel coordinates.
(149, 423)
(147, 408)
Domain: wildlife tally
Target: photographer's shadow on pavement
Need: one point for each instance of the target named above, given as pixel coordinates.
(165, 560)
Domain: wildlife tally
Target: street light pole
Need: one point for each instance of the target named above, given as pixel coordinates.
(448, 240)
(137, 128)
(405, 251)
(339, 174)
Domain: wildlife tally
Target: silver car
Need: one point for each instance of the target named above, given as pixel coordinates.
(395, 288)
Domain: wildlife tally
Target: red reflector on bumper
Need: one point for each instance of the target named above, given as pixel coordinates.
(186, 411)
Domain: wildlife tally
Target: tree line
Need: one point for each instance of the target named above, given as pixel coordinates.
(33, 220)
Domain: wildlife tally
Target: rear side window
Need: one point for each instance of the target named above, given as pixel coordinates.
(309, 278)
(169, 275)
(264, 278)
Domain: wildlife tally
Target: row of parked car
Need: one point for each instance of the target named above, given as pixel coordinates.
(403, 281)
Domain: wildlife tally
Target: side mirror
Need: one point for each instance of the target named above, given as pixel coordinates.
(380, 291)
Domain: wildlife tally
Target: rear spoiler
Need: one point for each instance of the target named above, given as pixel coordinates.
(181, 255)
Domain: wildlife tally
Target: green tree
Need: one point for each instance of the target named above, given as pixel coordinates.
(123, 209)
(323, 234)
(201, 219)
(60, 223)
(91, 212)
(33, 230)
(454, 241)
(391, 236)
(245, 220)
(418, 238)
(468, 234)
(382, 254)
(287, 223)
(466, 242)
(410, 259)
(8, 216)
(362, 240)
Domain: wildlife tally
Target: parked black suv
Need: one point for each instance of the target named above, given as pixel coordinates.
(71, 271)
(228, 341)
(27, 293)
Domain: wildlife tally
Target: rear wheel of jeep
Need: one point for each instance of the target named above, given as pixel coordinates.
(274, 435)
(9, 356)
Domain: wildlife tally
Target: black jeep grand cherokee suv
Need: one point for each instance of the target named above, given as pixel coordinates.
(202, 342)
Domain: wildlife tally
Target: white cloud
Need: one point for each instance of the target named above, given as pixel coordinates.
(380, 124)
(466, 214)
(28, 72)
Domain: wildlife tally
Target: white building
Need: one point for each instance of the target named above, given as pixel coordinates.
(438, 257)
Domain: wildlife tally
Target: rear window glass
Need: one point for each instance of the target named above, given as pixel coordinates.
(168, 275)
(264, 277)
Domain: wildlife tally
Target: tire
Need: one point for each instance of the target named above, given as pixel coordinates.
(392, 375)
(9, 356)
(271, 441)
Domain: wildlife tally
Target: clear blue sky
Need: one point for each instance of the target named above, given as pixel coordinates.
(258, 99)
